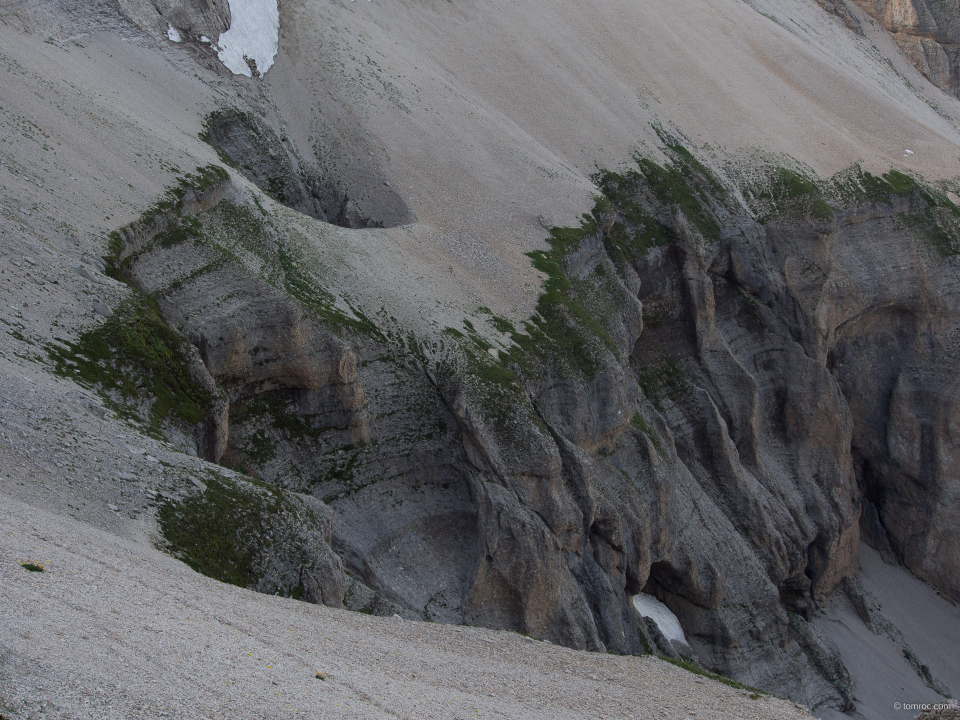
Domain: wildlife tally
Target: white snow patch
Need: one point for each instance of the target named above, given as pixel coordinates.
(204, 39)
(649, 606)
(173, 33)
(254, 33)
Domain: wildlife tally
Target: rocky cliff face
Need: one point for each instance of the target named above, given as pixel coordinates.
(191, 18)
(725, 381)
(927, 32)
(732, 374)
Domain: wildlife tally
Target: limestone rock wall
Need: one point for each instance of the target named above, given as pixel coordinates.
(927, 32)
(723, 397)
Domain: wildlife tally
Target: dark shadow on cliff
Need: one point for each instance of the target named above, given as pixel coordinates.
(272, 162)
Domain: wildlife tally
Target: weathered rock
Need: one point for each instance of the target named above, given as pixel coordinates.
(266, 539)
(196, 18)
(275, 166)
(102, 309)
(662, 644)
(708, 443)
(949, 710)
(875, 302)
(927, 32)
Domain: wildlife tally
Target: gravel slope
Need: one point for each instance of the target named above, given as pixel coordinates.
(908, 616)
(115, 629)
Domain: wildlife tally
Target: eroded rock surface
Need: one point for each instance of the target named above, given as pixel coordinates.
(927, 32)
(273, 164)
(714, 398)
(726, 381)
(194, 18)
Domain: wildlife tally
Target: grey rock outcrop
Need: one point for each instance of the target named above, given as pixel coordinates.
(927, 32)
(263, 538)
(272, 162)
(193, 18)
(746, 396)
(872, 298)
(949, 711)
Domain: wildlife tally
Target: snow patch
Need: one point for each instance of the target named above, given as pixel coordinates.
(648, 606)
(173, 34)
(254, 34)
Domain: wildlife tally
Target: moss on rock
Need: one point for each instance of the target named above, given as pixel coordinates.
(136, 359)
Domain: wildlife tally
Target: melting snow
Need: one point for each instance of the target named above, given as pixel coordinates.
(649, 606)
(173, 33)
(254, 33)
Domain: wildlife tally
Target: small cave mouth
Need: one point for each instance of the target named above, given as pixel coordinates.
(663, 580)
(250, 145)
(795, 595)
(651, 603)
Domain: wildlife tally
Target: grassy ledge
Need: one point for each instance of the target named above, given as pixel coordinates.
(228, 531)
(697, 670)
(138, 364)
(136, 361)
(164, 221)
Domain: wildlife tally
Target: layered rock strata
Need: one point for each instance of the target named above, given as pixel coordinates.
(927, 32)
(715, 396)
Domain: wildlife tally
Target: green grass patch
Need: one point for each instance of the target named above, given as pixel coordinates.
(697, 670)
(301, 284)
(673, 187)
(939, 227)
(789, 196)
(854, 186)
(663, 379)
(180, 231)
(32, 567)
(637, 230)
(563, 333)
(135, 357)
(889, 184)
(219, 532)
(684, 184)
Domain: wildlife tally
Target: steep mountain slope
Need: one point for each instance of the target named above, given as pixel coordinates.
(475, 379)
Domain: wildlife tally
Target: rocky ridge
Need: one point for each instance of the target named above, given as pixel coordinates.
(685, 360)
(733, 369)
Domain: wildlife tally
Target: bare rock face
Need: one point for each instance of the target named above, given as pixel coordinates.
(193, 18)
(927, 32)
(197, 17)
(949, 711)
(871, 297)
(272, 162)
(885, 329)
(716, 402)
